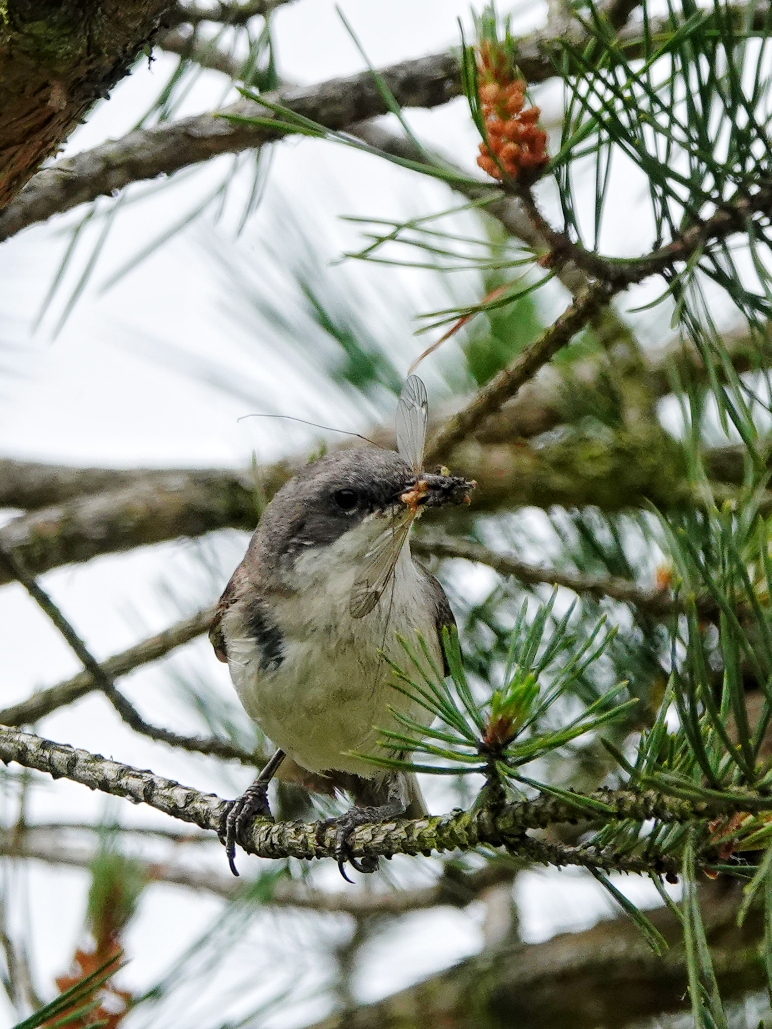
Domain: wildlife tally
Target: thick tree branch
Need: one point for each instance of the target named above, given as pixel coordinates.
(337, 104)
(458, 831)
(31, 485)
(544, 402)
(182, 505)
(147, 153)
(612, 471)
(55, 61)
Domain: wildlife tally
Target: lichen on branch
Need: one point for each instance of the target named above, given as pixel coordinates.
(459, 830)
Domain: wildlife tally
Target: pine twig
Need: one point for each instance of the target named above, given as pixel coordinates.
(508, 381)
(653, 601)
(222, 13)
(206, 53)
(453, 888)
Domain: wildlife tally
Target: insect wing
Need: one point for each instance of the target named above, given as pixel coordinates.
(378, 566)
(412, 415)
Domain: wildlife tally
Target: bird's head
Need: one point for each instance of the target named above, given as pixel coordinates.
(356, 493)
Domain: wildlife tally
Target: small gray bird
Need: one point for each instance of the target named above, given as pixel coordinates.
(327, 584)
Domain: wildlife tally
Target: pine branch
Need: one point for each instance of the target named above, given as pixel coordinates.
(508, 210)
(206, 53)
(612, 471)
(616, 277)
(161, 150)
(540, 405)
(605, 976)
(546, 401)
(732, 217)
(509, 380)
(182, 505)
(465, 830)
(337, 104)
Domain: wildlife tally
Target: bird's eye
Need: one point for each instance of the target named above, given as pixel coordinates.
(346, 499)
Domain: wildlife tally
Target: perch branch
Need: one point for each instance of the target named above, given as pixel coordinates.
(453, 888)
(460, 830)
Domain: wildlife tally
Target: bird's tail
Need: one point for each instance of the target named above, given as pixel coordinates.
(416, 805)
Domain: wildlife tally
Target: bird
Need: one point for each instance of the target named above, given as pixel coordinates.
(311, 614)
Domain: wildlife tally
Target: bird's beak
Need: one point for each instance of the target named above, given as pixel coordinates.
(437, 489)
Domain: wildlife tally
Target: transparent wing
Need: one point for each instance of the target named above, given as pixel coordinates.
(412, 415)
(378, 565)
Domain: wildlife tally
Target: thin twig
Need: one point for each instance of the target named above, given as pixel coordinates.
(653, 601)
(206, 53)
(106, 685)
(221, 13)
(43, 702)
(509, 380)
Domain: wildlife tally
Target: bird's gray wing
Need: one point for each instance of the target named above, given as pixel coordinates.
(443, 615)
(230, 594)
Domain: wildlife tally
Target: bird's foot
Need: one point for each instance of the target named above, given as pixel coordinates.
(239, 815)
(344, 826)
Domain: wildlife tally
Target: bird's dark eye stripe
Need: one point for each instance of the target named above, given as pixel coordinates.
(346, 499)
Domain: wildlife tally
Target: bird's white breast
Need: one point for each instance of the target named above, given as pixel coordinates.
(332, 690)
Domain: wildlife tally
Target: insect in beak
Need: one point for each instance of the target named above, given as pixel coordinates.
(413, 497)
(436, 490)
(427, 489)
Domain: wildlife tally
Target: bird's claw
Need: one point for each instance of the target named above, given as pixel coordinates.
(239, 815)
(344, 826)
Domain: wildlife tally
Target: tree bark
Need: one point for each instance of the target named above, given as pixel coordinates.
(56, 58)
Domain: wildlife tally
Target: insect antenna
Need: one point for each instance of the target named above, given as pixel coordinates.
(316, 425)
